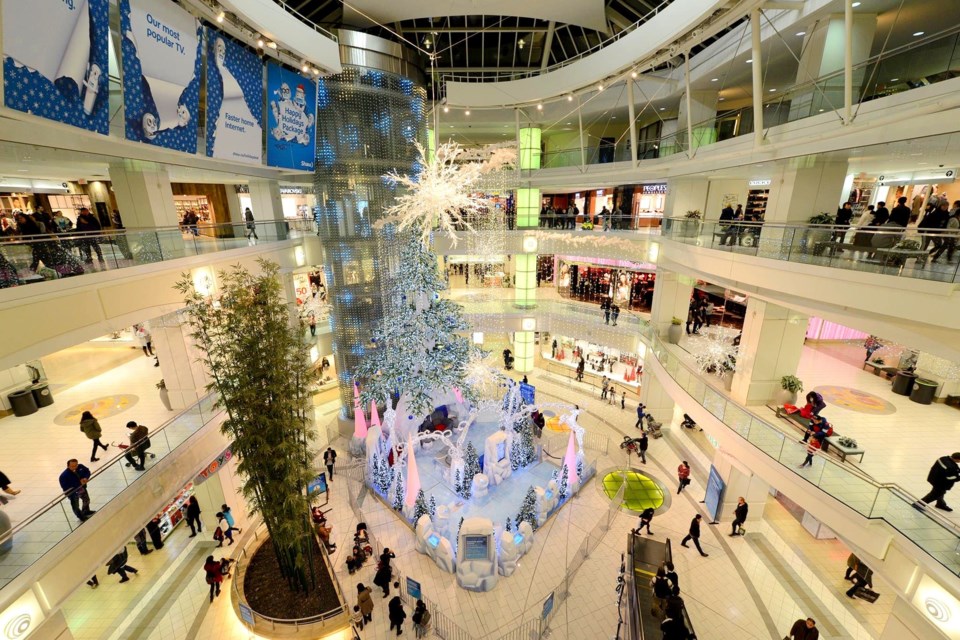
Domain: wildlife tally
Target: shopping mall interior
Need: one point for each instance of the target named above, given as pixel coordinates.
(480, 320)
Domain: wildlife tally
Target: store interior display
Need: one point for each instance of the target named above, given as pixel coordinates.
(756, 206)
(619, 366)
(629, 288)
(172, 514)
(197, 204)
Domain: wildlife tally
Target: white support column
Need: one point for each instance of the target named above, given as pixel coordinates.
(686, 82)
(671, 298)
(265, 200)
(632, 114)
(741, 482)
(583, 151)
(144, 195)
(182, 372)
(757, 78)
(547, 44)
(770, 348)
(847, 62)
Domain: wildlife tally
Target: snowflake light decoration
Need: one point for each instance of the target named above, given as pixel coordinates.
(486, 381)
(715, 353)
(442, 195)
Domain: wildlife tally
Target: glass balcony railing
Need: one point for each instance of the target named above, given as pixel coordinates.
(935, 535)
(909, 253)
(919, 63)
(29, 540)
(37, 258)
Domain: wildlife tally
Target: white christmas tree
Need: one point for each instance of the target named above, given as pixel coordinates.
(432, 506)
(562, 483)
(420, 507)
(420, 345)
(528, 509)
(471, 467)
(522, 450)
(398, 492)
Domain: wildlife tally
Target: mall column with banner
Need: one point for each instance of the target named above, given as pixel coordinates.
(528, 217)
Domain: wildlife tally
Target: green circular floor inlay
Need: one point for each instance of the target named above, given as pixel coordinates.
(641, 491)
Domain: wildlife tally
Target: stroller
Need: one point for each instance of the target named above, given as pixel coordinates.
(653, 427)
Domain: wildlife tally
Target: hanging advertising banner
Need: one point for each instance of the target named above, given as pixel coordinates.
(55, 60)
(161, 73)
(234, 100)
(291, 137)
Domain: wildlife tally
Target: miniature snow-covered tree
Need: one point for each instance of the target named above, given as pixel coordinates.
(420, 507)
(398, 492)
(580, 468)
(522, 451)
(508, 526)
(471, 467)
(459, 526)
(562, 486)
(528, 509)
(432, 506)
(458, 483)
(382, 475)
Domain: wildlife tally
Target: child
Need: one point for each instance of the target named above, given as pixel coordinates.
(224, 529)
(225, 567)
(356, 617)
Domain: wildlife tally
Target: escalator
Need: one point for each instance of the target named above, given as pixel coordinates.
(644, 557)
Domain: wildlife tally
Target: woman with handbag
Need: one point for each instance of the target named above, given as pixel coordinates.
(214, 576)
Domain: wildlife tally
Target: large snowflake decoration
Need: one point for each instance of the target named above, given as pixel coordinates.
(486, 381)
(715, 353)
(443, 195)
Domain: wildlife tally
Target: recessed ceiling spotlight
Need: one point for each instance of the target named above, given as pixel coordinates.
(663, 108)
(272, 44)
(305, 68)
(721, 99)
(446, 109)
(894, 79)
(714, 79)
(467, 112)
(260, 42)
(569, 123)
(801, 33)
(749, 60)
(599, 87)
(917, 34)
(569, 98)
(221, 16)
(451, 126)
(316, 71)
(772, 90)
(613, 117)
(633, 74)
(855, 5)
(821, 111)
(540, 107)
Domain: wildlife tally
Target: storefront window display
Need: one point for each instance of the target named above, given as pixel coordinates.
(297, 202)
(174, 513)
(311, 291)
(922, 189)
(620, 367)
(627, 284)
(478, 272)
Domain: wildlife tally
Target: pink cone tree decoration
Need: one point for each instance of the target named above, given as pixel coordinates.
(413, 476)
(374, 415)
(359, 420)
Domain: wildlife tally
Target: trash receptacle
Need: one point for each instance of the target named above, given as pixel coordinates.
(923, 391)
(903, 382)
(22, 403)
(42, 394)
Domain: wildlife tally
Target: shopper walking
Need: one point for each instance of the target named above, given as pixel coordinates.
(580, 367)
(813, 446)
(661, 591)
(330, 459)
(396, 614)
(949, 242)
(90, 227)
(193, 516)
(118, 564)
(214, 576)
(91, 428)
(739, 515)
(365, 602)
(900, 213)
(553, 349)
(614, 314)
(853, 564)
(139, 443)
(683, 475)
(223, 531)
(382, 578)
(641, 409)
(804, 630)
(694, 534)
(146, 340)
(605, 307)
(421, 619)
(646, 517)
(5, 486)
(642, 444)
(251, 224)
(73, 482)
(228, 516)
(943, 475)
(604, 385)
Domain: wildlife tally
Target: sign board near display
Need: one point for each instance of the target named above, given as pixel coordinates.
(161, 73)
(654, 188)
(714, 498)
(475, 547)
(318, 484)
(939, 176)
(413, 589)
(215, 466)
(547, 607)
(291, 136)
(766, 182)
(234, 100)
(55, 60)
(284, 191)
(246, 614)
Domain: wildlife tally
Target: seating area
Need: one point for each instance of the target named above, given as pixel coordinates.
(832, 443)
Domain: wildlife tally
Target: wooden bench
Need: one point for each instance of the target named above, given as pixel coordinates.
(879, 369)
(833, 441)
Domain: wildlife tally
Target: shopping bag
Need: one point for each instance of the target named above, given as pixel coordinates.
(867, 594)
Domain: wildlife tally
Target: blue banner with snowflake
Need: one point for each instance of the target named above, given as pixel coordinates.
(291, 137)
(234, 100)
(55, 60)
(161, 73)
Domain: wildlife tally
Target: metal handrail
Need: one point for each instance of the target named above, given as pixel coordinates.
(117, 458)
(826, 227)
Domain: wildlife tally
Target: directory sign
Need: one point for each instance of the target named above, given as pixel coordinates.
(715, 488)
(475, 547)
(55, 60)
(234, 100)
(161, 73)
(291, 116)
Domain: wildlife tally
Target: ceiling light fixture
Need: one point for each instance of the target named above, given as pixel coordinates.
(540, 107)
(272, 44)
(917, 34)
(569, 98)
(633, 74)
(801, 33)
(316, 71)
(446, 109)
(714, 79)
(260, 43)
(521, 43)
(599, 87)
(305, 68)
(894, 79)
(663, 108)
(467, 112)
(721, 99)
(855, 5)
(772, 90)
(221, 16)
(749, 60)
